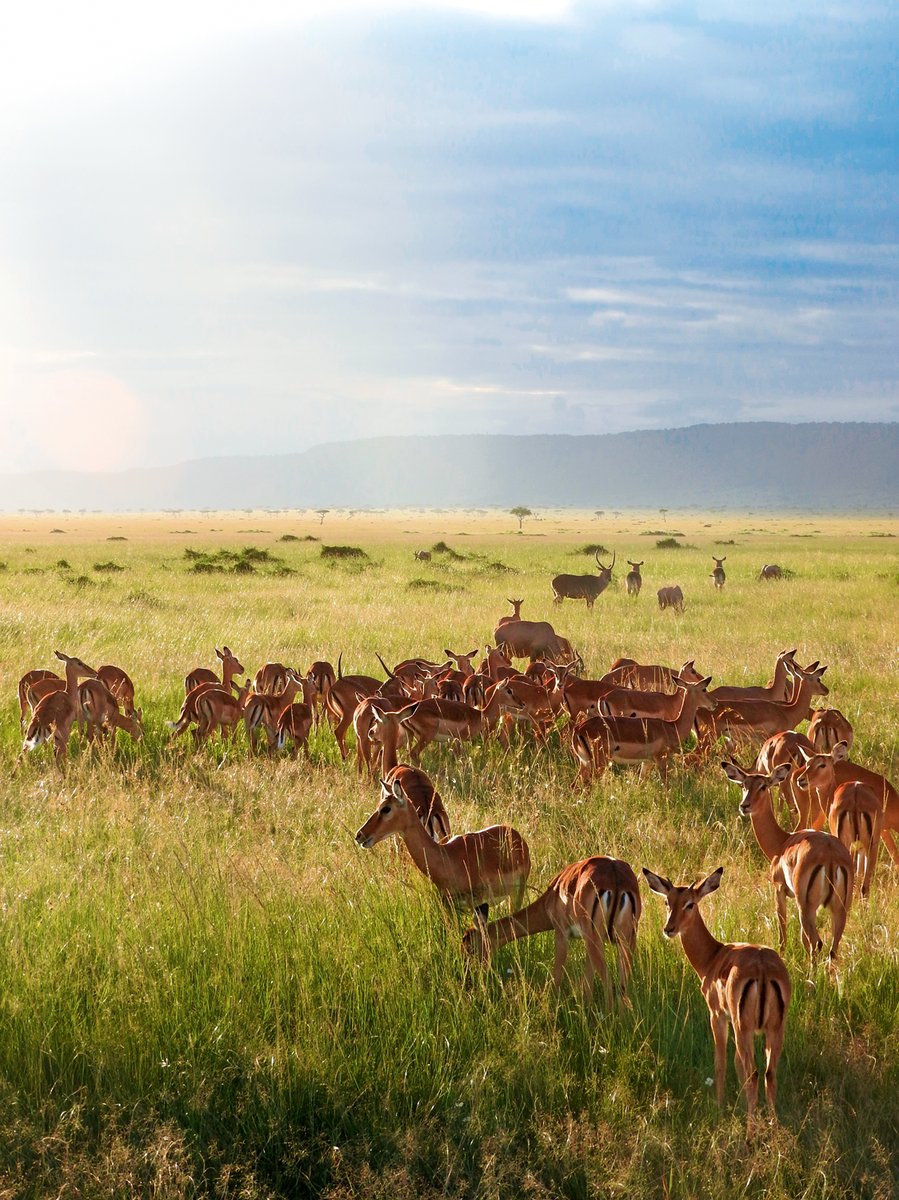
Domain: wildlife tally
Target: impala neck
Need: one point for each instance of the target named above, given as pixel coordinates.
(429, 856)
(781, 675)
(769, 835)
(491, 710)
(72, 675)
(228, 673)
(533, 919)
(390, 733)
(689, 708)
(700, 946)
(800, 702)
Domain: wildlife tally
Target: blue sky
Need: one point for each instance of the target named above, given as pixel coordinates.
(486, 217)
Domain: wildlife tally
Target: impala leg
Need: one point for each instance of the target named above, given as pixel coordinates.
(890, 841)
(596, 965)
(747, 1072)
(720, 1027)
(773, 1045)
(626, 946)
(780, 897)
(808, 923)
(839, 910)
(870, 863)
(561, 957)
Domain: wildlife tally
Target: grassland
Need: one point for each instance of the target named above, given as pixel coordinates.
(207, 989)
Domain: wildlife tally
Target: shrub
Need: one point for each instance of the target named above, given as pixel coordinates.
(443, 548)
(108, 566)
(593, 548)
(343, 552)
(669, 543)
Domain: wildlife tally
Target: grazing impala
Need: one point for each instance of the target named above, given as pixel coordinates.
(634, 580)
(295, 723)
(24, 689)
(471, 869)
(100, 710)
(57, 712)
(428, 721)
(218, 709)
(583, 587)
(262, 712)
(827, 727)
(813, 867)
(854, 810)
(598, 741)
(597, 899)
(718, 574)
(119, 684)
(770, 571)
(745, 986)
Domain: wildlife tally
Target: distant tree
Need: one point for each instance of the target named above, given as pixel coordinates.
(322, 513)
(520, 512)
(599, 512)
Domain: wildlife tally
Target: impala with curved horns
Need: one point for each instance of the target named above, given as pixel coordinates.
(583, 587)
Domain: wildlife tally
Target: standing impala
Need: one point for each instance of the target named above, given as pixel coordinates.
(634, 580)
(815, 868)
(230, 668)
(413, 782)
(57, 712)
(470, 869)
(745, 986)
(827, 727)
(597, 899)
(718, 573)
(759, 719)
(428, 721)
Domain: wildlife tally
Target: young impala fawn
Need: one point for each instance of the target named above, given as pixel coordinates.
(745, 986)
(597, 899)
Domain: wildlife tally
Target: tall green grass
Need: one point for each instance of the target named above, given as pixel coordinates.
(206, 988)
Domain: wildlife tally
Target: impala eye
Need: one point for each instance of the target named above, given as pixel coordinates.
(385, 811)
(689, 904)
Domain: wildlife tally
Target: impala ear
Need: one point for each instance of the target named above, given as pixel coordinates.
(712, 883)
(733, 771)
(806, 755)
(657, 883)
(779, 774)
(841, 752)
(398, 794)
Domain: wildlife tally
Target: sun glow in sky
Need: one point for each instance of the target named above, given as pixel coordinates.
(250, 228)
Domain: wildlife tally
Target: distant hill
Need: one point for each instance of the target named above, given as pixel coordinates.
(833, 466)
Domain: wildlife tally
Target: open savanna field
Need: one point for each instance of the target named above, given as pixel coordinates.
(206, 988)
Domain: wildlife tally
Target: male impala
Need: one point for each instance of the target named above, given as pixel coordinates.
(597, 899)
(718, 574)
(583, 587)
(811, 866)
(745, 986)
(598, 741)
(472, 869)
(827, 727)
(634, 580)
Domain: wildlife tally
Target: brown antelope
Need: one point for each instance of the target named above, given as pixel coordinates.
(718, 574)
(853, 809)
(671, 597)
(745, 986)
(813, 867)
(540, 707)
(270, 679)
(626, 672)
(100, 710)
(827, 727)
(634, 580)
(321, 675)
(770, 571)
(422, 555)
(516, 613)
(119, 684)
(598, 741)
(471, 869)
(531, 639)
(786, 747)
(597, 899)
(57, 712)
(497, 664)
(779, 689)
(343, 695)
(295, 722)
(414, 783)
(218, 709)
(758, 719)
(230, 668)
(583, 587)
(261, 712)
(631, 702)
(24, 689)
(427, 721)
(365, 717)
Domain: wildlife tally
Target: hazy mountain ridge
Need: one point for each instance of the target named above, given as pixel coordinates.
(827, 466)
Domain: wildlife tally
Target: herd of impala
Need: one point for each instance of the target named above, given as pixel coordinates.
(634, 714)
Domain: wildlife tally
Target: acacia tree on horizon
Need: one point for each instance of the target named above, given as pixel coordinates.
(520, 512)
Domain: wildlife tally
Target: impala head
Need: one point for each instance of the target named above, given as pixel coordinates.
(818, 771)
(516, 607)
(636, 565)
(605, 572)
(392, 815)
(756, 787)
(719, 561)
(689, 674)
(226, 656)
(683, 902)
(462, 661)
(504, 695)
(812, 673)
(76, 664)
(699, 689)
(135, 725)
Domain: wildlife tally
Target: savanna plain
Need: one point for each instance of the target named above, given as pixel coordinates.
(208, 989)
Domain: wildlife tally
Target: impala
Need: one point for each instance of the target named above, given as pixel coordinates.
(753, 719)
(827, 727)
(744, 985)
(598, 741)
(100, 710)
(770, 571)
(429, 721)
(583, 587)
(230, 667)
(295, 722)
(343, 696)
(718, 574)
(597, 899)
(627, 672)
(779, 689)
(218, 709)
(57, 712)
(24, 689)
(786, 747)
(530, 639)
(263, 711)
(853, 809)
(271, 678)
(634, 580)
(414, 783)
(516, 613)
(365, 718)
(119, 684)
(321, 675)
(813, 867)
(671, 597)
(472, 869)
(422, 555)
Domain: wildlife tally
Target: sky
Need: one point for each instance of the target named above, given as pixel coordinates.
(259, 229)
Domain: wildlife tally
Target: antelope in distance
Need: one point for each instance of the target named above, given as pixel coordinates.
(745, 986)
(597, 899)
(469, 869)
(583, 587)
(769, 572)
(516, 613)
(718, 574)
(814, 868)
(634, 580)
(422, 555)
(671, 597)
